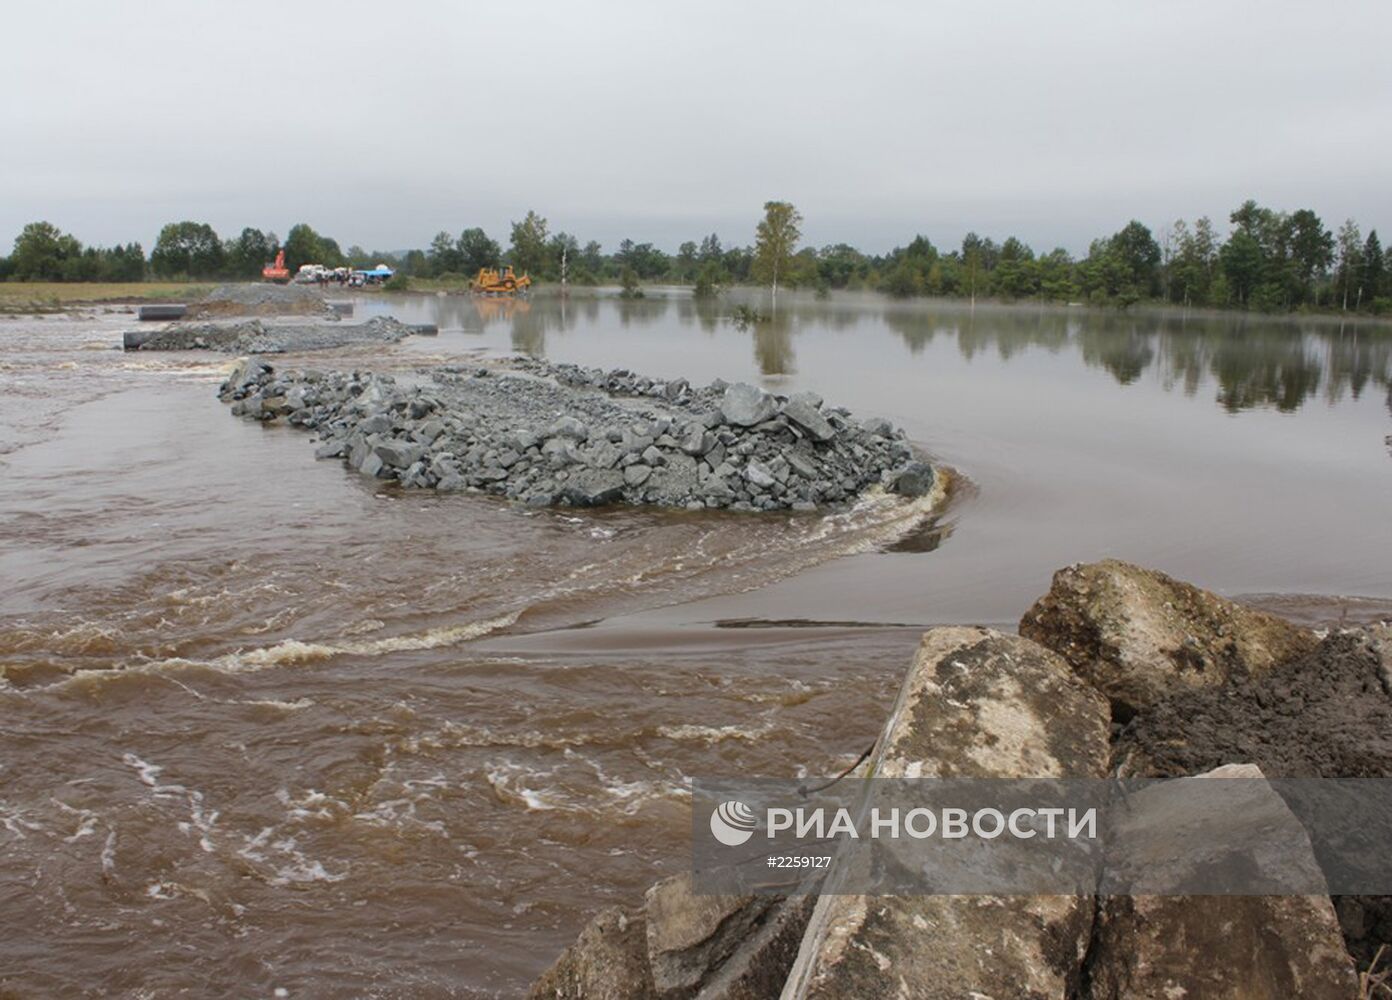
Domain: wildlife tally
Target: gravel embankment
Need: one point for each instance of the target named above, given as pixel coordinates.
(558, 434)
(257, 336)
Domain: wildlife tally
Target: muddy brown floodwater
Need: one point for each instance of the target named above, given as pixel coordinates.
(270, 726)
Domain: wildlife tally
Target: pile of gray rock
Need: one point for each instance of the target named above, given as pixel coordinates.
(545, 435)
(258, 336)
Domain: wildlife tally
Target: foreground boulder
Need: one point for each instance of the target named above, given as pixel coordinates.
(979, 704)
(608, 961)
(680, 945)
(721, 947)
(1137, 634)
(1157, 947)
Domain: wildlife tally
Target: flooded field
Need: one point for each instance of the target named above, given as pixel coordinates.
(269, 725)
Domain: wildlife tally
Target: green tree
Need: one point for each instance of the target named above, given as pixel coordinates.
(591, 267)
(562, 251)
(629, 287)
(1374, 271)
(1259, 250)
(1311, 250)
(189, 249)
(1206, 250)
(121, 263)
(414, 263)
(1138, 253)
(1243, 262)
(1348, 271)
(444, 255)
(1015, 274)
(775, 241)
(249, 253)
(1055, 271)
(529, 251)
(477, 251)
(1182, 270)
(708, 280)
(41, 251)
(304, 246)
(842, 265)
(904, 280)
(648, 262)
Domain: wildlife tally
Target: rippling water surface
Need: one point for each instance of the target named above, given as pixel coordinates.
(269, 725)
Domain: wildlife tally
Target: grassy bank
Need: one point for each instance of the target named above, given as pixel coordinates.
(57, 296)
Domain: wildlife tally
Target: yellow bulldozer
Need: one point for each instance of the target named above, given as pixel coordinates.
(491, 281)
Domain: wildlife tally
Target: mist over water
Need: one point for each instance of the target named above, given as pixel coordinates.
(270, 724)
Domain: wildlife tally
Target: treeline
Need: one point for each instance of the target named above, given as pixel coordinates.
(184, 250)
(548, 256)
(1268, 260)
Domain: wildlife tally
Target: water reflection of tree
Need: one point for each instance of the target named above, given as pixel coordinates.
(1361, 359)
(1255, 361)
(1006, 331)
(642, 311)
(773, 344)
(707, 312)
(451, 311)
(1118, 344)
(1263, 366)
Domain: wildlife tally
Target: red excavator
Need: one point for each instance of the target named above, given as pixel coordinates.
(277, 272)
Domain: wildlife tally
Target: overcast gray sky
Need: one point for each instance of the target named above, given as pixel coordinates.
(382, 123)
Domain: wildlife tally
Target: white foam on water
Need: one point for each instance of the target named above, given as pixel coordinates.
(291, 652)
(714, 734)
(201, 819)
(289, 865)
(87, 820)
(631, 795)
(108, 853)
(507, 781)
(14, 820)
(311, 805)
(298, 705)
(400, 814)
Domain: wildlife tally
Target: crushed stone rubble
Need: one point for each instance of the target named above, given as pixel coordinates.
(557, 434)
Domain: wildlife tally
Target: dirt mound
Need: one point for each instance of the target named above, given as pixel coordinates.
(1326, 714)
(262, 300)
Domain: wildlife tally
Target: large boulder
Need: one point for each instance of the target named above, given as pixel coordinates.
(681, 945)
(608, 961)
(1137, 634)
(745, 405)
(721, 947)
(801, 412)
(593, 487)
(915, 480)
(1156, 944)
(976, 704)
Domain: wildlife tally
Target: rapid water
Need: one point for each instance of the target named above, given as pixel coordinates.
(269, 725)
